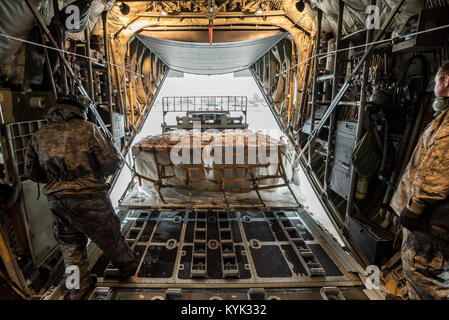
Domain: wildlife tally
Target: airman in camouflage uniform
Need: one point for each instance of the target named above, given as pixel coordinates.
(73, 158)
(422, 203)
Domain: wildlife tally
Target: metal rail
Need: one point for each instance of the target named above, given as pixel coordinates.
(229, 263)
(335, 79)
(301, 249)
(360, 120)
(351, 77)
(198, 267)
(204, 103)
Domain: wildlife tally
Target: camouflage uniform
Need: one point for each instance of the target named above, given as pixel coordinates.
(73, 158)
(425, 261)
(423, 190)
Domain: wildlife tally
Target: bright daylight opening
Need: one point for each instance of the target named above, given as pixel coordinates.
(259, 118)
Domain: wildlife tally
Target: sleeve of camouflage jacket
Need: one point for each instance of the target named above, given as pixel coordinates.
(32, 166)
(431, 182)
(105, 153)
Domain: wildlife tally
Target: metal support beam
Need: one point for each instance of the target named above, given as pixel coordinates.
(333, 116)
(104, 17)
(130, 76)
(353, 181)
(218, 15)
(315, 83)
(120, 95)
(291, 84)
(64, 73)
(90, 77)
(302, 104)
(50, 70)
(351, 77)
(76, 80)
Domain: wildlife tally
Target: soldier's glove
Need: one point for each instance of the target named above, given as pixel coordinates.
(410, 220)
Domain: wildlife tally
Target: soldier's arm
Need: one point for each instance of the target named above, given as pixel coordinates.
(105, 153)
(431, 182)
(33, 169)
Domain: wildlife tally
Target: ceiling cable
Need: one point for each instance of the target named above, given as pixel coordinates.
(330, 53)
(321, 55)
(98, 61)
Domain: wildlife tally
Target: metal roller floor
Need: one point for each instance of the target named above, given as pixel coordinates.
(218, 254)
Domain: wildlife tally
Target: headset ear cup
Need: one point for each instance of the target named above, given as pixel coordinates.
(440, 104)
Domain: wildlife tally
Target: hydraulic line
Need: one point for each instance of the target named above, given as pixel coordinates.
(408, 141)
(399, 97)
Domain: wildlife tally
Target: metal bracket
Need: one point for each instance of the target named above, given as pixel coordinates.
(101, 293)
(302, 251)
(173, 293)
(229, 263)
(111, 272)
(198, 267)
(331, 293)
(257, 294)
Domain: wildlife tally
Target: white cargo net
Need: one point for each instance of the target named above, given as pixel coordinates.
(236, 161)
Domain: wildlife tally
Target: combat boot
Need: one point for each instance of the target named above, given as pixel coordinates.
(128, 271)
(83, 293)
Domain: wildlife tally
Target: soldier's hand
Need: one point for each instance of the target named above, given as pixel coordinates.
(410, 220)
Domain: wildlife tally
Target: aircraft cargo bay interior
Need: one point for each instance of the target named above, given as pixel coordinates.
(224, 150)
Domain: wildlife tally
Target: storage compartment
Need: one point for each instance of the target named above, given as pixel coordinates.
(341, 168)
(375, 242)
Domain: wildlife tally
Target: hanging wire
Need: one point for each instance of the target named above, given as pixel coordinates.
(330, 53)
(94, 111)
(321, 55)
(69, 53)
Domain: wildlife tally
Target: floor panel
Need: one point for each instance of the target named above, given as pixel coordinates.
(239, 247)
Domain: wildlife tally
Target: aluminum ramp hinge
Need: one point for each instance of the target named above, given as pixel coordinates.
(173, 294)
(257, 294)
(331, 293)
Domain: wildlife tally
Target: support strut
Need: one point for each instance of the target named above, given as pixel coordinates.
(351, 77)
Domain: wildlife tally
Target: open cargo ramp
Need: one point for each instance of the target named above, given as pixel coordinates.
(276, 254)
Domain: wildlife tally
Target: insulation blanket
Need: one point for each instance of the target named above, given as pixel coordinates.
(203, 161)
